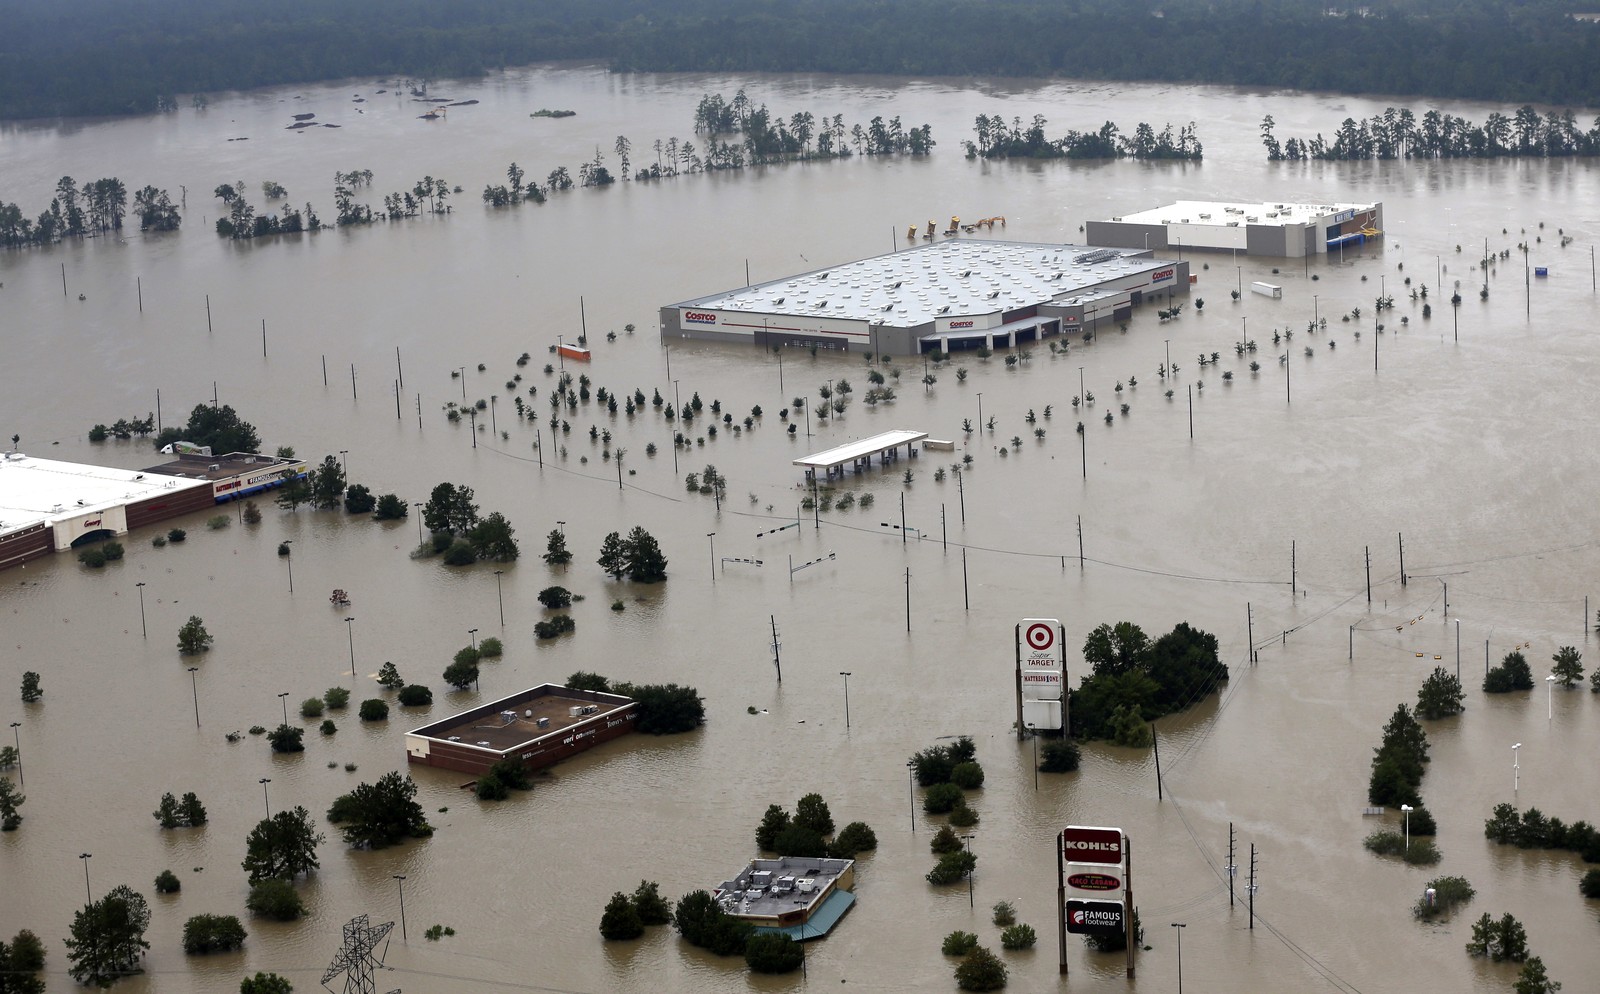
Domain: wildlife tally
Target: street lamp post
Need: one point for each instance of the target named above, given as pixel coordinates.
(1516, 768)
(500, 596)
(846, 675)
(1550, 705)
(1406, 810)
(1180, 926)
(911, 786)
(195, 689)
(145, 631)
(1167, 344)
(463, 371)
(265, 801)
(86, 894)
(344, 463)
(712, 538)
(419, 506)
(966, 840)
(350, 633)
(288, 558)
(400, 878)
(283, 699)
(16, 737)
(472, 633)
(980, 413)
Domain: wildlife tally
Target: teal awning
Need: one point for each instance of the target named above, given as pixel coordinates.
(821, 921)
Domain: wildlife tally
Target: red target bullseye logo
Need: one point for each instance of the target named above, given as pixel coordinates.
(1040, 637)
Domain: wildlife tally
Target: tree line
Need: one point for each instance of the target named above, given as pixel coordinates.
(997, 140)
(1400, 134)
(85, 211)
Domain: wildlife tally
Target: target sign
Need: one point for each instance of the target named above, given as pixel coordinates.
(1039, 644)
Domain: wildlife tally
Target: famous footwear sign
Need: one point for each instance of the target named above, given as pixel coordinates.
(1094, 917)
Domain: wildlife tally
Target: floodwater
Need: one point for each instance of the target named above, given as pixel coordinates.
(1477, 450)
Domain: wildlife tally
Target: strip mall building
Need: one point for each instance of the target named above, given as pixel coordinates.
(941, 297)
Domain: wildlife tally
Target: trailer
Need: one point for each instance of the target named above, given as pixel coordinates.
(1267, 290)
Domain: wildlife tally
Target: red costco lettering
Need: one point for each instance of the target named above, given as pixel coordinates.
(699, 317)
(960, 324)
(1161, 275)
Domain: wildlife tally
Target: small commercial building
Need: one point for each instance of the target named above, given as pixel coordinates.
(940, 297)
(1267, 229)
(235, 475)
(47, 505)
(801, 897)
(539, 726)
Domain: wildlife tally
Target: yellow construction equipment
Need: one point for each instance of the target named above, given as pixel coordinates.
(911, 233)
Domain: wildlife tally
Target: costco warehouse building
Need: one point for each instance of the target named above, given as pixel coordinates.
(941, 297)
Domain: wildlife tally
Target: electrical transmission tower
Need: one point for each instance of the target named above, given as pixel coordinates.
(355, 959)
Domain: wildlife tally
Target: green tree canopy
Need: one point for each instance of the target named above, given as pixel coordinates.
(219, 427)
(450, 508)
(107, 937)
(283, 846)
(382, 813)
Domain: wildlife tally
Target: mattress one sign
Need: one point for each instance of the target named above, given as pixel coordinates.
(1094, 917)
(1086, 844)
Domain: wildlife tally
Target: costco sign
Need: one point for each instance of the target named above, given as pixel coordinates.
(954, 325)
(1084, 844)
(1162, 275)
(699, 317)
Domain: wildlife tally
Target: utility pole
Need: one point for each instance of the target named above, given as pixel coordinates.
(1155, 740)
(1369, 574)
(1294, 572)
(1402, 539)
(1080, 543)
(1233, 870)
(908, 598)
(1251, 887)
(776, 659)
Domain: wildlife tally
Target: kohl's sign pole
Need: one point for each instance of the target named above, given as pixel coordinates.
(1092, 863)
(1041, 675)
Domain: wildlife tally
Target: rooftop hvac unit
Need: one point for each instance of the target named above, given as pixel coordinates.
(214, 467)
(528, 713)
(574, 710)
(542, 722)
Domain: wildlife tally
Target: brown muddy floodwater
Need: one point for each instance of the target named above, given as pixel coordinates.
(1478, 450)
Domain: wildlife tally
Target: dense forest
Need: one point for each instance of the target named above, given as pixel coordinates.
(1400, 134)
(79, 57)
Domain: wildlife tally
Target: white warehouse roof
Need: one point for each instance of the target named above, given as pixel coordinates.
(33, 490)
(1218, 212)
(915, 286)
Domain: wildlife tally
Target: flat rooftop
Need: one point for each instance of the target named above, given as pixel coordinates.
(216, 468)
(34, 490)
(914, 286)
(851, 451)
(1220, 213)
(770, 888)
(514, 721)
